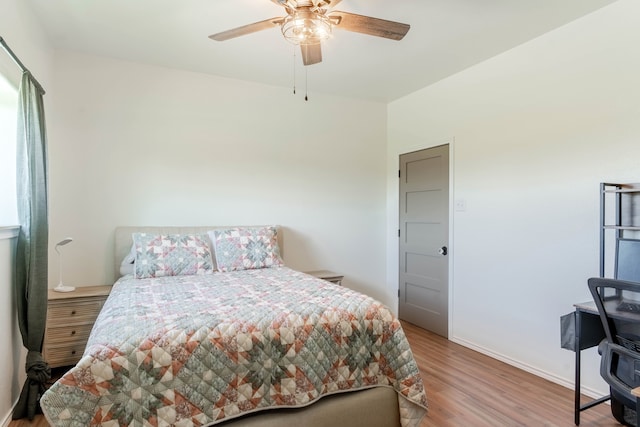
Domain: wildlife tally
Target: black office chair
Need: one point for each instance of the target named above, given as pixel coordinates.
(618, 304)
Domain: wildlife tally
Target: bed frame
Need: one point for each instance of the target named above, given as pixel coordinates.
(374, 407)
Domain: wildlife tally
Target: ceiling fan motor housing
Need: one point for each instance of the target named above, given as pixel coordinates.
(306, 27)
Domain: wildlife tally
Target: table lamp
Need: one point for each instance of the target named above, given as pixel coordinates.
(61, 287)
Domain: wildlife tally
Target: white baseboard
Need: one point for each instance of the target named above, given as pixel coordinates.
(7, 418)
(592, 393)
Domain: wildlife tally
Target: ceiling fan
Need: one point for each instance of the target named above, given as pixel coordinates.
(309, 22)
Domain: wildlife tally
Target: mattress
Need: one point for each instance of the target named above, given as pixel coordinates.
(203, 349)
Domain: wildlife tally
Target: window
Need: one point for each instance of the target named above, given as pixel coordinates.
(8, 127)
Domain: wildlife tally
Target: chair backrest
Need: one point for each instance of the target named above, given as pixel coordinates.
(618, 304)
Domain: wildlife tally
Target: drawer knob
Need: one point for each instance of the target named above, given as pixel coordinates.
(73, 352)
(73, 312)
(73, 332)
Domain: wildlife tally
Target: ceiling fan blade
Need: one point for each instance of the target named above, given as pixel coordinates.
(311, 53)
(246, 29)
(368, 25)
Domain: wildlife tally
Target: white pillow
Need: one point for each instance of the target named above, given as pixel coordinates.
(127, 264)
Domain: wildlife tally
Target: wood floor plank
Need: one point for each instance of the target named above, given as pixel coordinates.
(468, 389)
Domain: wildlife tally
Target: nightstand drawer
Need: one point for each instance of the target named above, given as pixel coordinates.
(69, 354)
(65, 335)
(75, 312)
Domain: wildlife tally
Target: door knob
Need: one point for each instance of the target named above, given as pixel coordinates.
(442, 251)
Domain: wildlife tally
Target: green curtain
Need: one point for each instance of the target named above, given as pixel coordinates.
(32, 251)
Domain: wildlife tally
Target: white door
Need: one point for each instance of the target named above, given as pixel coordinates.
(424, 238)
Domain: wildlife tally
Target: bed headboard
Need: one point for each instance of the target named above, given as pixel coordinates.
(123, 240)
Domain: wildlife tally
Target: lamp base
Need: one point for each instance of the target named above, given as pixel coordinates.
(64, 288)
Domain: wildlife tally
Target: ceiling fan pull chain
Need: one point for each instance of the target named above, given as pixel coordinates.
(306, 83)
(294, 70)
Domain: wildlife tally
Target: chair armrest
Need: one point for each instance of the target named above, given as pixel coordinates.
(609, 349)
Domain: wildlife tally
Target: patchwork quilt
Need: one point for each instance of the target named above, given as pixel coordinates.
(197, 350)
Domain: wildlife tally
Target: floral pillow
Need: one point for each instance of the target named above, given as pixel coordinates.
(159, 255)
(246, 248)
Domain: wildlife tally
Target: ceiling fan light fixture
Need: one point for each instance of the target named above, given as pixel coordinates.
(306, 28)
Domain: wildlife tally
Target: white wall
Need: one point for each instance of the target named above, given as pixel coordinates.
(132, 144)
(19, 29)
(536, 130)
(12, 358)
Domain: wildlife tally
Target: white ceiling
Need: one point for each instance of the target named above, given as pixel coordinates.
(446, 36)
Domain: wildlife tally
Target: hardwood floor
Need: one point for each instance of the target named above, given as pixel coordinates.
(468, 389)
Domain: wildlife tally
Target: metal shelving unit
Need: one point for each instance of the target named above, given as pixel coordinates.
(619, 219)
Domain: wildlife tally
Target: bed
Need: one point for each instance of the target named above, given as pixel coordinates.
(235, 338)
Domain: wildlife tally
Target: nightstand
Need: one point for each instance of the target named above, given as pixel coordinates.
(327, 275)
(70, 317)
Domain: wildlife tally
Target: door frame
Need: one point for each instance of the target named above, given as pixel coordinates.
(395, 260)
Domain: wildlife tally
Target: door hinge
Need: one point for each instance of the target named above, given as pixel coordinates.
(398, 292)
(398, 173)
(398, 232)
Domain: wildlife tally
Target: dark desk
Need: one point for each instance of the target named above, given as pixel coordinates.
(588, 333)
